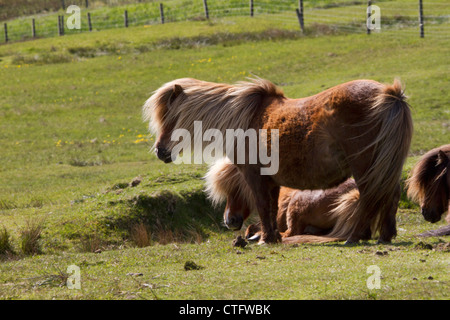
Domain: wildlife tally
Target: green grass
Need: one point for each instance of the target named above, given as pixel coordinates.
(347, 15)
(72, 139)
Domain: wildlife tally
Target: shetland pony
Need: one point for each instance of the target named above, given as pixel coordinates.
(429, 184)
(361, 128)
(310, 212)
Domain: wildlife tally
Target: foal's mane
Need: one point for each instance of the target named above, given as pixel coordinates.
(425, 177)
(179, 103)
(223, 179)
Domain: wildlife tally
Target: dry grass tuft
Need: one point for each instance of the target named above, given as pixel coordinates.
(30, 236)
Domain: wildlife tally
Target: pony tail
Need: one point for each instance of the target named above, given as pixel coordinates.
(391, 114)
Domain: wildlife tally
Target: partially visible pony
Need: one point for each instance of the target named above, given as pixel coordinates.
(429, 184)
(361, 128)
(307, 213)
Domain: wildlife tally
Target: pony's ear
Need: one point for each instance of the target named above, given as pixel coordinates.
(442, 158)
(177, 90)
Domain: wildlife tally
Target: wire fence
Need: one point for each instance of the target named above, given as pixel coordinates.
(341, 16)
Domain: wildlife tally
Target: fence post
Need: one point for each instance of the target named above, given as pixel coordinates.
(125, 16)
(161, 12)
(300, 19)
(63, 5)
(205, 6)
(33, 28)
(89, 21)
(251, 8)
(87, 3)
(59, 25)
(6, 32)
(302, 15)
(369, 13)
(422, 32)
(62, 25)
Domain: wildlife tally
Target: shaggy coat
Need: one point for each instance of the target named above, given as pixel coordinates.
(361, 128)
(429, 183)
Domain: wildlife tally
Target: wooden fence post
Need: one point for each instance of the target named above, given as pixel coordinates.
(300, 19)
(302, 15)
(251, 8)
(63, 4)
(161, 12)
(369, 13)
(89, 21)
(6, 32)
(59, 25)
(33, 28)
(422, 31)
(125, 16)
(205, 6)
(87, 3)
(62, 25)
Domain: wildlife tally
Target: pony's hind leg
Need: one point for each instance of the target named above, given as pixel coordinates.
(389, 229)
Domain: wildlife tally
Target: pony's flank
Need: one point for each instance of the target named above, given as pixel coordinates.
(181, 102)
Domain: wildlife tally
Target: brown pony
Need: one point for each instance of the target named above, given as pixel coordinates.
(360, 128)
(429, 183)
(310, 212)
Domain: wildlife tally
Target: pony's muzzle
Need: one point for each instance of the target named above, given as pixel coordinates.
(430, 215)
(233, 222)
(163, 154)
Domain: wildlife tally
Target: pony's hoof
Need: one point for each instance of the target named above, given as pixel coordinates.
(270, 238)
(262, 243)
(350, 242)
(254, 237)
(382, 241)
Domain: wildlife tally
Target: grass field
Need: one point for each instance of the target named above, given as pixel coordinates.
(343, 15)
(72, 139)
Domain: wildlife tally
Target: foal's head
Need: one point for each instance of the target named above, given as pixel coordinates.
(429, 183)
(225, 181)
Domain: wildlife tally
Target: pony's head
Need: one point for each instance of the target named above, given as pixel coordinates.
(429, 183)
(160, 110)
(224, 181)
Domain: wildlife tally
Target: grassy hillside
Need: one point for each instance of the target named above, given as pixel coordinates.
(334, 15)
(72, 140)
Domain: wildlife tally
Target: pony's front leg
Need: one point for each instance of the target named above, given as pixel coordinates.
(267, 205)
(265, 192)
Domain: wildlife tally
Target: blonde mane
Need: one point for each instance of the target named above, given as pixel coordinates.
(220, 106)
(223, 179)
